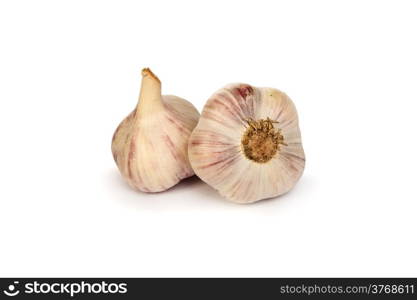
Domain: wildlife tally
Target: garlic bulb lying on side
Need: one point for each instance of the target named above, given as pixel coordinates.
(247, 144)
(150, 145)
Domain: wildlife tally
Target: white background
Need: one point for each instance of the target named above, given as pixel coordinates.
(70, 72)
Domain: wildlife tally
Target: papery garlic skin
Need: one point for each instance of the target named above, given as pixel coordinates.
(150, 145)
(217, 145)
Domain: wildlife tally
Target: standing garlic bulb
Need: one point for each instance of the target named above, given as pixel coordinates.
(247, 144)
(150, 145)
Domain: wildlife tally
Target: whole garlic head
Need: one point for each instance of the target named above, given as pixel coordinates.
(150, 145)
(247, 144)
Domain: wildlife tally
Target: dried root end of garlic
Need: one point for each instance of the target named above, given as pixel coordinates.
(247, 144)
(150, 146)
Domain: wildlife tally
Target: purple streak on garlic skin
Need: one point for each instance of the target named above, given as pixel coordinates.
(217, 143)
(150, 146)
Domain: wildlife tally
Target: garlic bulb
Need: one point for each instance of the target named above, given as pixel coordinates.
(150, 145)
(247, 143)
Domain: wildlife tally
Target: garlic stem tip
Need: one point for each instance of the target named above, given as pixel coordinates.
(147, 72)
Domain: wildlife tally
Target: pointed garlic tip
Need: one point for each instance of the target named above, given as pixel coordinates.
(150, 145)
(147, 72)
(150, 97)
(247, 144)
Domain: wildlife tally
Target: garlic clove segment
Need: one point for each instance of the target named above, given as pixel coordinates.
(150, 144)
(247, 143)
